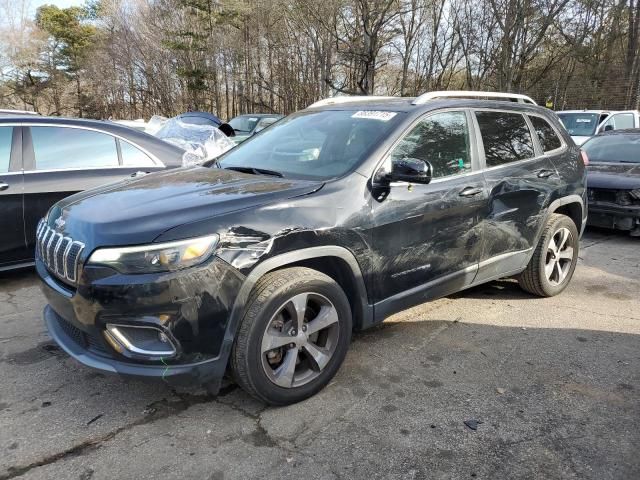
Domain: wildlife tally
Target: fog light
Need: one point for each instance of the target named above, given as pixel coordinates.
(147, 341)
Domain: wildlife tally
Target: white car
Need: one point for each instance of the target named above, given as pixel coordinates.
(584, 124)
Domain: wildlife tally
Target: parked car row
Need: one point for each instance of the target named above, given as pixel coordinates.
(263, 261)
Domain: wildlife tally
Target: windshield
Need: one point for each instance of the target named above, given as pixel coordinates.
(313, 144)
(244, 124)
(580, 124)
(614, 149)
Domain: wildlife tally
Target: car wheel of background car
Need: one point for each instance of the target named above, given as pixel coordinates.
(293, 337)
(554, 260)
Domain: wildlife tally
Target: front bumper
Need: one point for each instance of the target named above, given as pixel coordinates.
(192, 307)
(611, 215)
(209, 372)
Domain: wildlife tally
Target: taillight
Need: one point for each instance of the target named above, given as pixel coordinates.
(585, 158)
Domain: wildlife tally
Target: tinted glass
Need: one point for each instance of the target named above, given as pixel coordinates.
(443, 140)
(506, 137)
(314, 144)
(58, 148)
(133, 156)
(623, 148)
(580, 124)
(6, 134)
(546, 134)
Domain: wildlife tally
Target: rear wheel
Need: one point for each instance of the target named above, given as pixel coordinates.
(293, 337)
(554, 260)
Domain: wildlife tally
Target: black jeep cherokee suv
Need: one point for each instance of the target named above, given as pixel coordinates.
(332, 219)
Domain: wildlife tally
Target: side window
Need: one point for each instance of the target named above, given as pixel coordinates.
(443, 140)
(6, 137)
(506, 137)
(546, 134)
(63, 147)
(133, 156)
(619, 121)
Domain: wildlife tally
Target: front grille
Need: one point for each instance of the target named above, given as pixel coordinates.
(619, 197)
(83, 339)
(60, 254)
(602, 195)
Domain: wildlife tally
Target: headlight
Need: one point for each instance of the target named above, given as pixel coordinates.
(161, 257)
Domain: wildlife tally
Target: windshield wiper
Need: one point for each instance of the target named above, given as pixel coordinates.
(255, 171)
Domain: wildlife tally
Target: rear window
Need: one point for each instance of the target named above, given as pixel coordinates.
(546, 134)
(613, 149)
(506, 137)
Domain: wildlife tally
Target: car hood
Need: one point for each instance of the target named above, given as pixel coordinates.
(618, 176)
(579, 140)
(137, 211)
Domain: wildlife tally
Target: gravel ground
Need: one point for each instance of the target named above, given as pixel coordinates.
(551, 386)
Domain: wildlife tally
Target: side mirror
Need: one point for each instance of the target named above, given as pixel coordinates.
(411, 170)
(608, 128)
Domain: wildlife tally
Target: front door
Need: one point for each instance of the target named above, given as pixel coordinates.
(427, 239)
(13, 249)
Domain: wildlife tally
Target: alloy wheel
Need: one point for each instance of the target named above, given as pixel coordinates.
(300, 340)
(559, 256)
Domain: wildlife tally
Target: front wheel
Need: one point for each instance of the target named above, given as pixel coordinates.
(293, 337)
(554, 260)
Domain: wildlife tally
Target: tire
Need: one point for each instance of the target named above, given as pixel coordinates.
(538, 278)
(289, 373)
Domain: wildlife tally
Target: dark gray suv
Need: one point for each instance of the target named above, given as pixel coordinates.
(263, 262)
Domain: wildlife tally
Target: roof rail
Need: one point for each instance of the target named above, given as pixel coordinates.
(348, 99)
(424, 98)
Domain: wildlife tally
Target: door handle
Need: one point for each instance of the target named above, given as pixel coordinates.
(545, 173)
(470, 191)
(3, 186)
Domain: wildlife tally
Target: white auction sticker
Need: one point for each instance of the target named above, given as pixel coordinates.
(374, 115)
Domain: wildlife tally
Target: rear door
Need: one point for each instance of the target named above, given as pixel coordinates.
(62, 160)
(521, 179)
(12, 240)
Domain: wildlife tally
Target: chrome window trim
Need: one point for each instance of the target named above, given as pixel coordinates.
(80, 169)
(155, 159)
